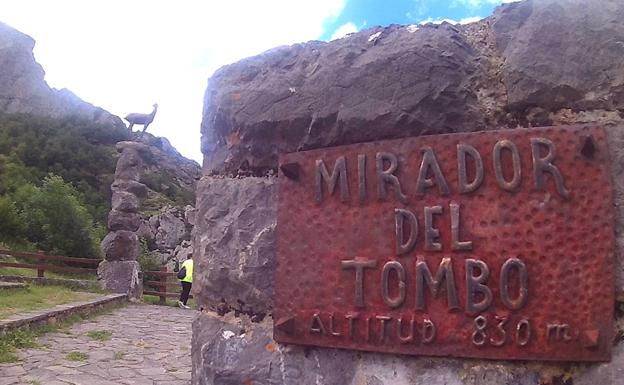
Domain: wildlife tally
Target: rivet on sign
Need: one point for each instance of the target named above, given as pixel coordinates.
(286, 325)
(591, 338)
(291, 170)
(588, 147)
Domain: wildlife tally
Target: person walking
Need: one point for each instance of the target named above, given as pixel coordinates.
(186, 280)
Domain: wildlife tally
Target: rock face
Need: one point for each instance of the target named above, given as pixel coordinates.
(24, 90)
(532, 63)
(169, 232)
(235, 239)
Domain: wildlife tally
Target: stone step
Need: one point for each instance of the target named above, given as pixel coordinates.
(60, 312)
(12, 285)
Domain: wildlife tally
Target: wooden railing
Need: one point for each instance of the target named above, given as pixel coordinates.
(42, 266)
(160, 281)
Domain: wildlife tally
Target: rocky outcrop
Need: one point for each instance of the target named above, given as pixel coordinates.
(163, 158)
(169, 232)
(24, 90)
(532, 63)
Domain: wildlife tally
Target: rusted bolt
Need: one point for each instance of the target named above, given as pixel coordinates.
(291, 170)
(588, 147)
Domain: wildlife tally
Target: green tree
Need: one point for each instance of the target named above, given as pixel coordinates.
(55, 218)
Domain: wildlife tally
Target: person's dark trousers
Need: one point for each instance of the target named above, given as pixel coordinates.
(186, 290)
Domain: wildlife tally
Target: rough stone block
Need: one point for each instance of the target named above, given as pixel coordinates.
(234, 249)
(131, 186)
(125, 201)
(228, 350)
(121, 277)
(121, 245)
(559, 54)
(381, 83)
(119, 220)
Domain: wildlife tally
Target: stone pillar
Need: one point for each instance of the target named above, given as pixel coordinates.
(532, 63)
(120, 271)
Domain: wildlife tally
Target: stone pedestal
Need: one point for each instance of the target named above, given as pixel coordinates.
(386, 83)
(121, 277)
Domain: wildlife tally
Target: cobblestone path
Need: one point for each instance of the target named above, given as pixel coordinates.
(149, 345)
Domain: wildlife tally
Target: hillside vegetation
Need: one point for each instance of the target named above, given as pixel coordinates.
(55, 176)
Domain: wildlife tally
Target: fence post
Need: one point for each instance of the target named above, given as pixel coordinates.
(40, 271)
(163, 288)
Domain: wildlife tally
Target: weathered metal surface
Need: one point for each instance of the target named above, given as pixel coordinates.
(528, 253)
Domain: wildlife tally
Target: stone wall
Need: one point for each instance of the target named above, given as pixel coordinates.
(533, 63)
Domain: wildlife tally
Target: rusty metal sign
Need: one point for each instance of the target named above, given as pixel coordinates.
(493, 244)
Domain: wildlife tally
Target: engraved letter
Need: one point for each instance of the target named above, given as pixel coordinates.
(402, 246)
(317, 325)
(498, 165)
(359, 267)
(456, 244)
(558, 332)
(382, 326)
(385, 278)
(462, 151)
(475, 284)
(387, 176)
(423, 275)
(350, 318)
(340, 171)
(545, 164)
(428, 331)
(520, 339)
(332, 329)
(362, 177)
(410, 336)
(523, 277)
(431, 233)
(429, 162)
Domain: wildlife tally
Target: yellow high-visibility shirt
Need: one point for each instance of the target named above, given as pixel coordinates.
(188, 264)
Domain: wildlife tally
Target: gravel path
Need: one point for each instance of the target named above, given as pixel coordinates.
(149, 345)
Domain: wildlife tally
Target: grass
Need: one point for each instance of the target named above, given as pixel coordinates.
(36, 297)
(23, 272)
(118, 355)
(26, 338)
(100, 335)
(76, 356)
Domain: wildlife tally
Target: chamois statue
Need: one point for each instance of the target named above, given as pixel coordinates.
(143, 119)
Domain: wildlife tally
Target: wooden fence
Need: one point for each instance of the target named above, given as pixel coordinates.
(42, 263)
(161, 281)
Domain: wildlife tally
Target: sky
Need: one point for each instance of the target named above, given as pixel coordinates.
(126, 55)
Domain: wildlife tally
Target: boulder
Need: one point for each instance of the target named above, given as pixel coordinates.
(131, 186)
(129, 165)
(381, 83)
(124, 201)
(559, 55)
(121, 277)
(120, 245)
(119, 220)
(235, 243)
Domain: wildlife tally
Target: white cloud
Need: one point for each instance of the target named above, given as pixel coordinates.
(468, 20)
(465, 20)
(126, 55)
(437, 21)
(344, 30)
